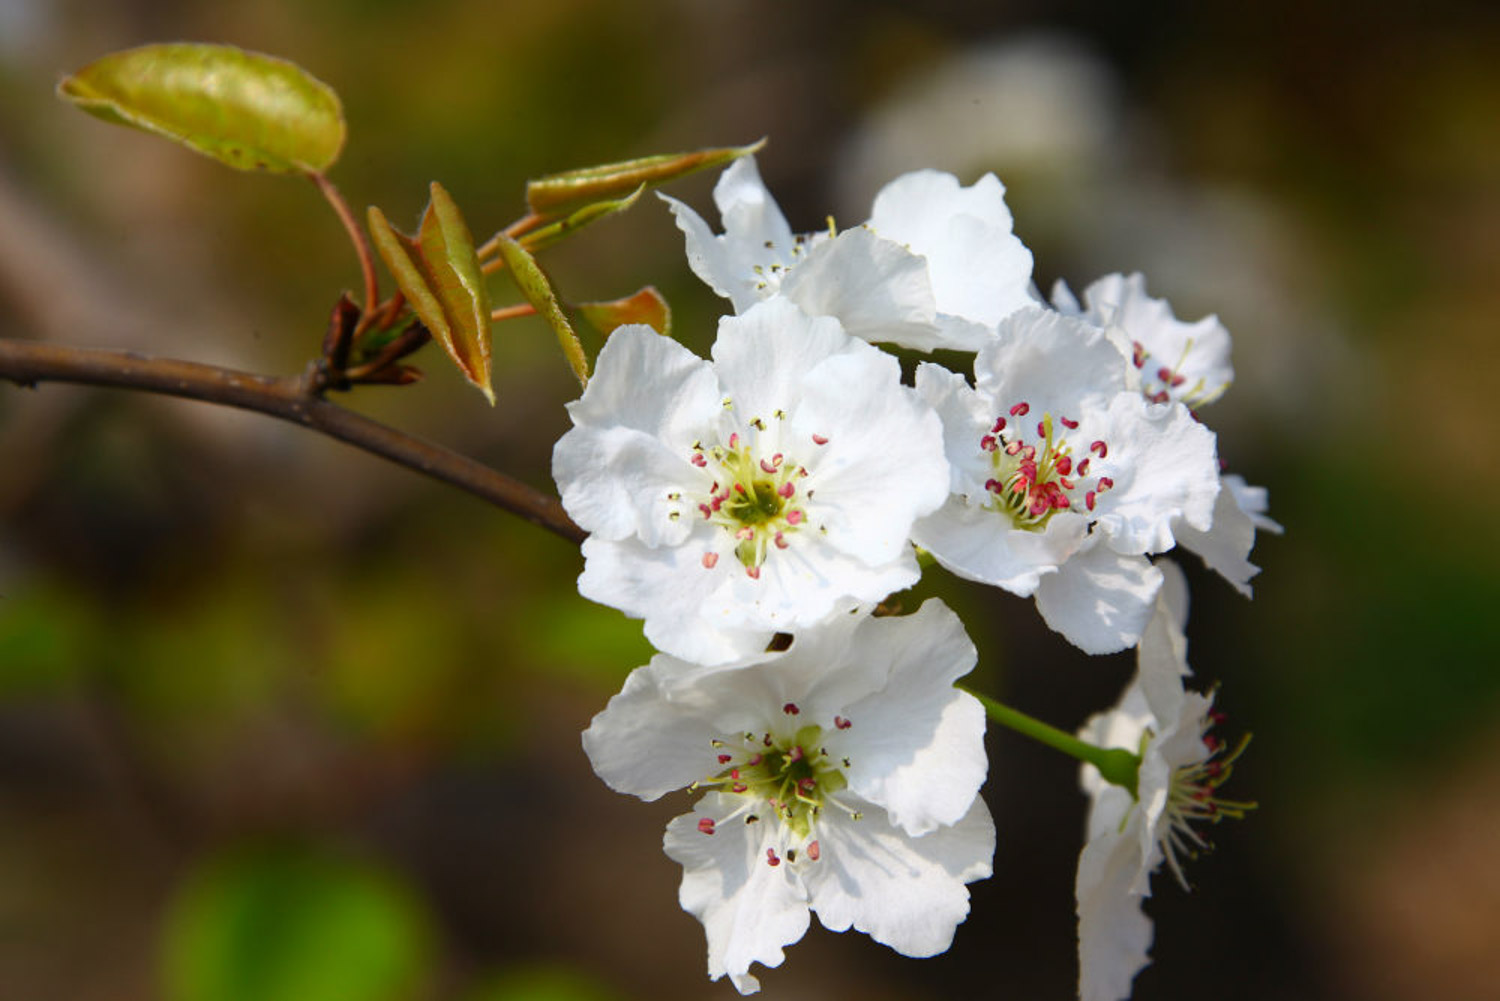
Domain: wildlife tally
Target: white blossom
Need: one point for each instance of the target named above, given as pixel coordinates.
(1172, 360)
(936, 265)
(756, 493)
(1181, 769)
(1063, 478)
(840, 776)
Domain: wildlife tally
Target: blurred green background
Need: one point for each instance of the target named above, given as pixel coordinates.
(279, 721)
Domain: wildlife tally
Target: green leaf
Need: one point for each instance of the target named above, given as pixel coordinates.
(561, 194)
(245, 109)
(453, 268)
(295, 926)
(592, 212)
(647, 306)
(537, 289)
(439, 273)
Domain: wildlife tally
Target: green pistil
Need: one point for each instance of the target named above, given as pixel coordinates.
(759, 503)
(753, 498)
(793, 778)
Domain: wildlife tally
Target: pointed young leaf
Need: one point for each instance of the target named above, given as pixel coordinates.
(454, 275)
(414, 276)
(592, 212)
(404, 260)
(245, 109)
(647, 306)
(561, 194)
(537, 289)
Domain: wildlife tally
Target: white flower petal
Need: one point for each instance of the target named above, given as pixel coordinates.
(1161, 657)
(764, 356)
(1054, 363)
(643, 744)
(915, 747)
(1254, 501)
(666, 587)
(685, 387)
(877, 289)
(905, 892)
(750, 910)
(979, 271)
(1114, 935)
(751, 216)
(1196, 353)
(707, 256)
(1100, 600)
(1167, 468)
(756, 236)
(888, 469)
(1226, 544)
(615, 482)
(966, 417)
(1064, 301)
(979, 544)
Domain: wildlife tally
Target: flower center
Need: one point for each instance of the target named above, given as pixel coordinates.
(1163, 383)
(1035, 477)
(754, 498)
(768, 277)
(1193, 797)
(786, 781)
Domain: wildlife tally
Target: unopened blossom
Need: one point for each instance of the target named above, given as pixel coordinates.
(1063, 478)
(1172, 360)
(840, 776)
(1182, 766)
(731, 499)
(936, 264)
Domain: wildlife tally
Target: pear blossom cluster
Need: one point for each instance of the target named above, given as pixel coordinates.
(757, 508)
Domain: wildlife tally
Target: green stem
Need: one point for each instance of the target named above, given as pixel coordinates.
(1116, 764)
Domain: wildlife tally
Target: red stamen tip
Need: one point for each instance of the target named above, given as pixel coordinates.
(706, 825)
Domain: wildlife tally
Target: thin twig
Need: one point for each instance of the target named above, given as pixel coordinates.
(522, 225)
(361, 246)
(294, 399)
(520, 309)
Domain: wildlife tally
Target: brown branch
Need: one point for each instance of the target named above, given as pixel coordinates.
(294, 399)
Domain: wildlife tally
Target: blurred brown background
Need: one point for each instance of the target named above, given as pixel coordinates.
(256, 687)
